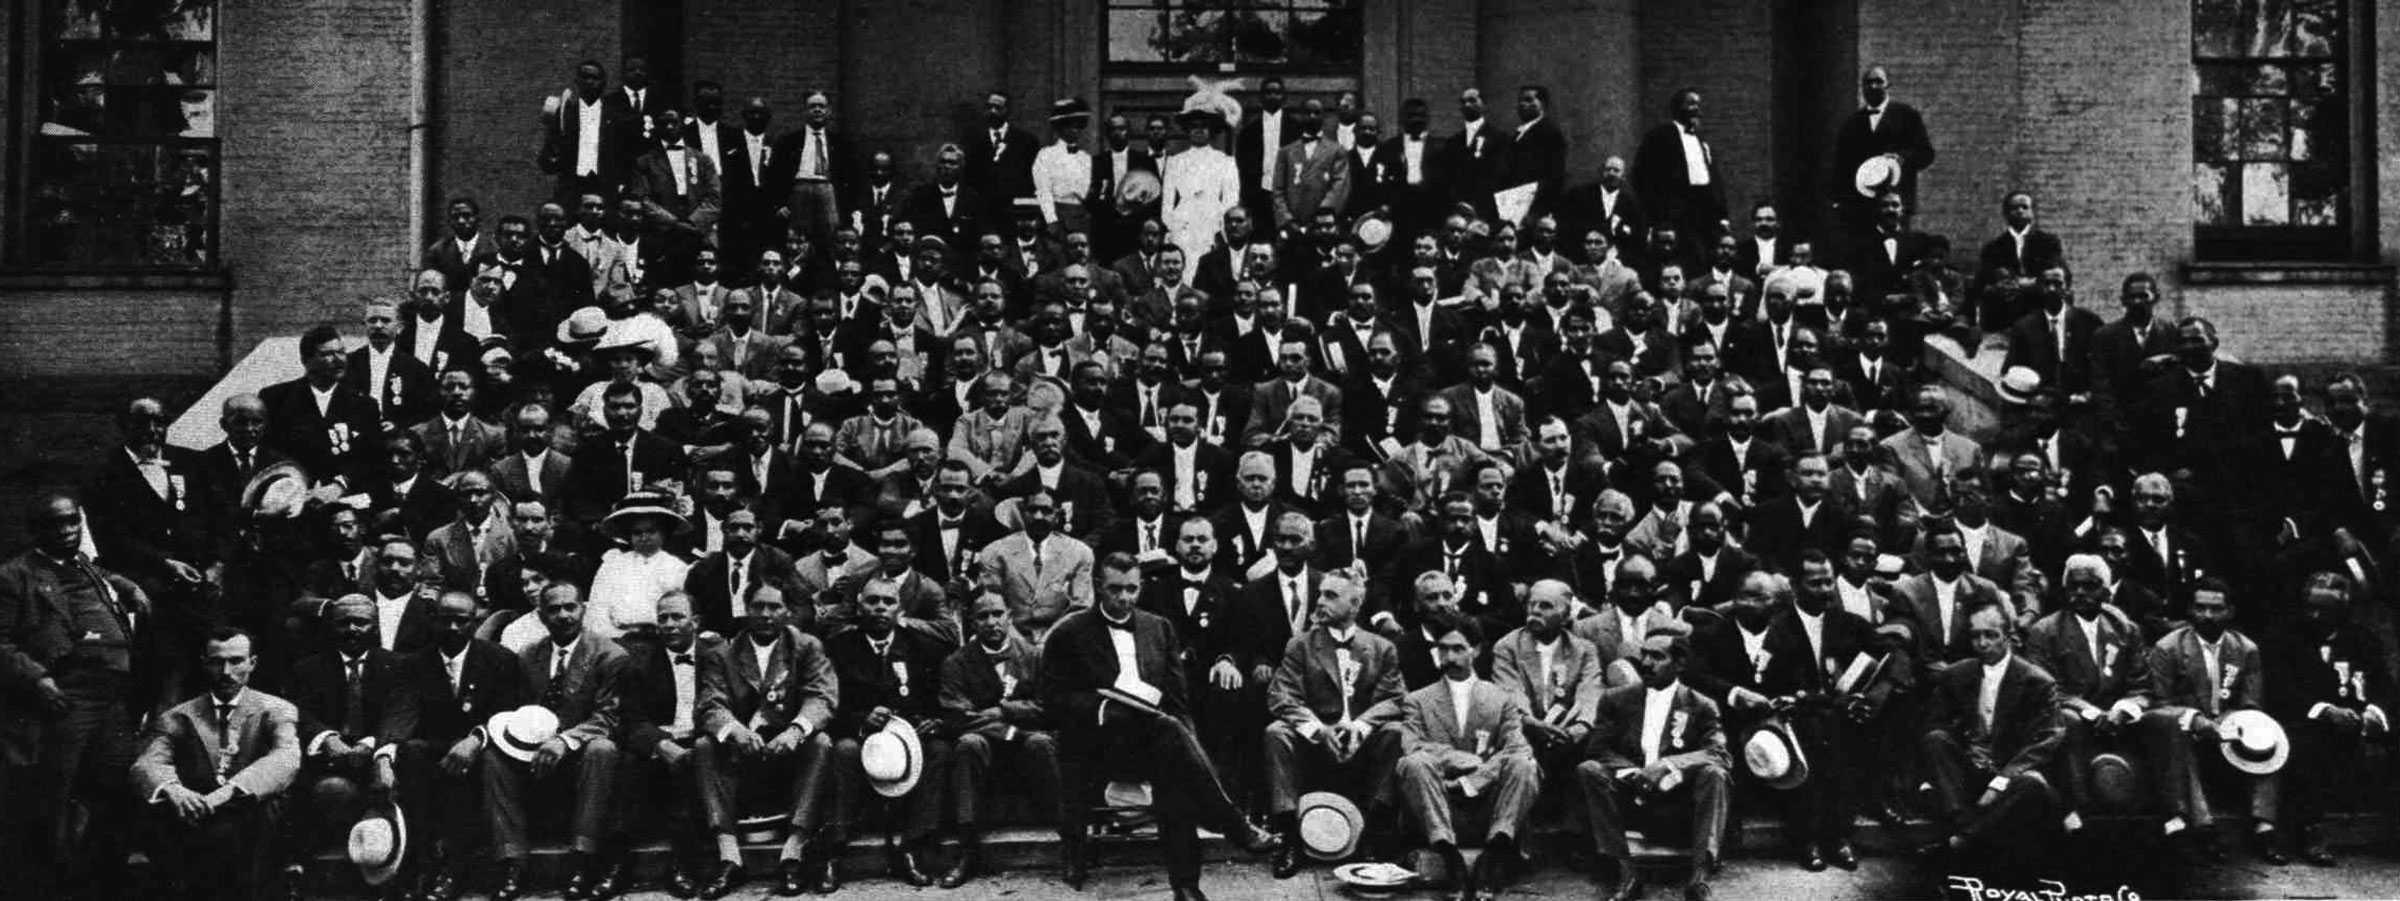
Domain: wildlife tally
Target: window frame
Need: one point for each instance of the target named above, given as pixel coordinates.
(1110, 65)
(38, 50)
(2352, 237)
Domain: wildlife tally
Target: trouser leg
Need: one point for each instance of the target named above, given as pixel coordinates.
(849, 783)
(1513, 793)
(924, 803)
(1420, 786)
(1602, 793)
(813, 764)
(1945, 763)
(504, 781)
(970, 761)
(596, 776)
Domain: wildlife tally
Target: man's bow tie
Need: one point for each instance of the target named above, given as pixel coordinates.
(1072, 149)
(1125, 625)
(680, 659)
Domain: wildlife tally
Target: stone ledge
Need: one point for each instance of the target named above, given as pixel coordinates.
(74, 280)
(2287, 274)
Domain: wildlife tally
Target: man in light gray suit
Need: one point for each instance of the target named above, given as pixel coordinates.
(212, 769)
(1271, 400)
(1929, 454)
(1311, 173)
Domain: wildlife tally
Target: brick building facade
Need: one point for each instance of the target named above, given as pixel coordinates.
(343, 124)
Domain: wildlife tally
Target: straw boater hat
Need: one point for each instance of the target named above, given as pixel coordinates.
(379, 842)
(638, 504)
(2018, 384)
(276, 492)
(2254, 742)
(585, 325)
(623, 340)
(893, 758)
(1772, 754)
(1875, 175)
(1329, 825)
(521, 732)
(1070, 111)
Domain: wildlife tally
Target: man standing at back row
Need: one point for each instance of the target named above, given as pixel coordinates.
(1882, 127)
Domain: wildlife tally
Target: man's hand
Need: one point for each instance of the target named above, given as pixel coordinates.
(1262, 674)
(189, 806)
(1655, 774)
(2205, 727)
(878, 718)
(786, 742)
(1225, 676)
(1990, 796)
(1543, 732)
(217, 800)
(384, 779)
(548, 756)
(2342, 718)
(744, 741)
(1743, 697)
(359, 755)
(182, 570)
(336, 748)
(1457, 763)
(672, 752)
(52, 697)
(461, 756)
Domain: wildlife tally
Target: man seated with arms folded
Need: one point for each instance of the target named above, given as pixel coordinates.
(1656, 759)
(992, 694)
(1466, 746)
(214, 770)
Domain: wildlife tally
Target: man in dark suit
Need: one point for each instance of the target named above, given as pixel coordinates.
(1675, 188)
(766, 698)
(2094, 651)
(2056, 340)
(446, 692)
(624, 458)
(1607, 205)
(322, 423)
(1882, 253)
(1255, 146)
(1117, 720)
(385, 370)
(579, 678)
(213, 774)
(394, 587)
(1412, 166)
(885, 672)
(147, 519)
(349, 706)
(662, 738)
(533, 471)
(402, 488)
(2019, 251)
(1537, 152)
(1883, 127)
(1782, 530)
(2122, 351)
(2000, 737)
(946, 210)
(1334, 695)
(999, 156)
(1660, 766)
(453, 256)
(1475, 160)
(992, 695)
(590, 137)
(2330, 685)
(1114, 230)
(719, 579)
(1811, 645)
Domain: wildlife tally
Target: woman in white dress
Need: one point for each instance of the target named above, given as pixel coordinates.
(1198, 185)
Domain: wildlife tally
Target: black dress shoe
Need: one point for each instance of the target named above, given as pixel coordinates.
(512, 882)
(905, 867)
(680, 882)
(582, 875)
(1697, 890)
(2269, 847)
(1844, 856)
(961, 872)
(1286, 860)
(723, 880)
(1188, 893)
(791, 878)
(609, 881)
(1812, 859)
(2314, 852)
(828, 876)
(443, 886)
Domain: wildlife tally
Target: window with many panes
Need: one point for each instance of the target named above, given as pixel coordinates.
(2274, 123)
(1300, 36)
(122, 168)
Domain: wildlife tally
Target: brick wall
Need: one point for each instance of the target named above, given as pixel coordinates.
(107, 333)
(1723, 49)
(2293, 323)
(779, 51)
(914, 73)
(2106, 136)
(1438, 60)
(494, 63)
(1956, 61)
(314, 117)
(1584, 51)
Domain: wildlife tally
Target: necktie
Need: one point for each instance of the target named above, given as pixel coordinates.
(454, 438)
(241, 461)
(554, 694)
(1149, 536)
(1358, 538)
(224, 727)
(354, 699)
(350, 571)
(1450, 562)
(733, 578)
(816, 141)
(450, 668)
(1291, 600)
(1037, 563)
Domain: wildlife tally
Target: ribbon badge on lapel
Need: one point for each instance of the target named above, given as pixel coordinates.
(175, 489)
(396, 385)
(1200, 484)
(338, 435)
(466, 697)
(2108, 660)
(441, 360)
(1202, 619)
(1008, 686)
(1758, 662)
(2375, 479)
(2233, 671)
(1677, 723)
(900, 675)
(1346, 667)
(1633, 428)
(2341, 679)
(1483, 742)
